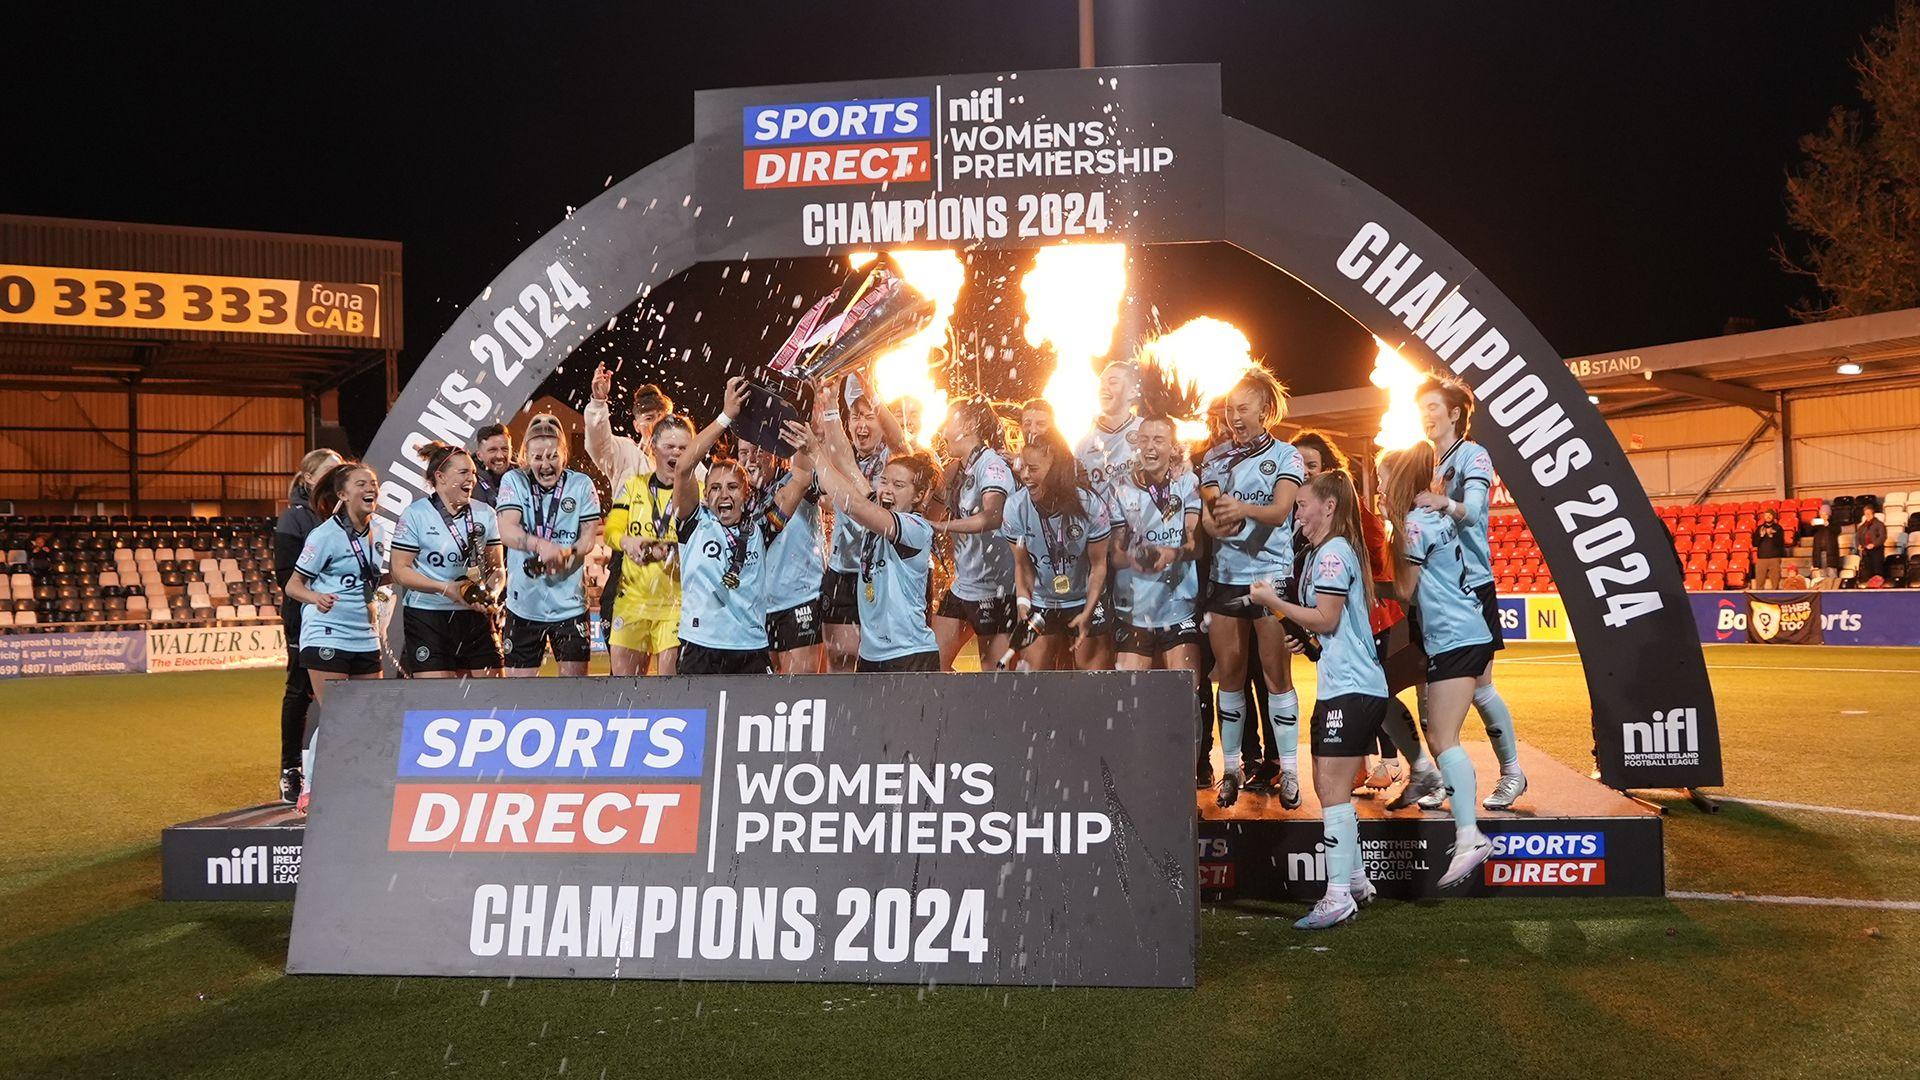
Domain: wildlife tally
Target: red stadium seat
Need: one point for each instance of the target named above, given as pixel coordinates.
(1683, 543)
(1746, 522)
(1717, 563)
(1810, 503)
(1695, 583)
(1697, 563)
(1722, 542)
(1684, 527)
(1716, 582)
(1742, 541)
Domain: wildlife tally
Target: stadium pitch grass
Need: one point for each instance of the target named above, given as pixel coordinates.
(99, 978)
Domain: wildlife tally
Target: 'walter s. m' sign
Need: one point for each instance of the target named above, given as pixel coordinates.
(1032, 828)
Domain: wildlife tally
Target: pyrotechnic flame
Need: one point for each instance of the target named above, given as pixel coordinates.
(1073, 305)
(1400, 425)
(906, 370)
(1208, 353)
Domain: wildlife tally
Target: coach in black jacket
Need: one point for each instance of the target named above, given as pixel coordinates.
(1769, 547)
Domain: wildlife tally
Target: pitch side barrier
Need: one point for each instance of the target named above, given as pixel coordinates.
(1032, 828)
(1140, 155)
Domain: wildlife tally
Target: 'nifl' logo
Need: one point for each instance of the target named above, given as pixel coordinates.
(245, 866)
(1670, 738)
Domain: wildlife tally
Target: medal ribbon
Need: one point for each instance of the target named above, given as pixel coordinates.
(465, 547)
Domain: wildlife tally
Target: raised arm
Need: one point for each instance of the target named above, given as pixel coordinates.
(616, 456)
(685, 498)
(800, 471)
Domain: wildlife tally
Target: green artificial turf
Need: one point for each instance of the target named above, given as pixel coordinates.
(98, 978)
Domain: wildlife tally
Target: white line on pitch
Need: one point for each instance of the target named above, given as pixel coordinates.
(1806, 901)
(1536, 659)
(1884, 815)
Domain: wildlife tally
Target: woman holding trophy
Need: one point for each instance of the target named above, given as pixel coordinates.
(447, 555)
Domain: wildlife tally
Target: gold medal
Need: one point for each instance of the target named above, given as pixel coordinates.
(870, 593)
(730, 579)
(1062, 584)
(473, 573)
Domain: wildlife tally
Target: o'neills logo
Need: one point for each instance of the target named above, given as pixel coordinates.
(1670, 738)
(1782, 620)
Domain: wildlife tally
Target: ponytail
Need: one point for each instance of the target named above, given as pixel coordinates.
(1406, 473)
(1338, 486)
(325, 498)
(436, 455)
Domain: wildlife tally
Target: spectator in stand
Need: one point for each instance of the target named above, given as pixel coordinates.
(1769, 547)
(1870, 543)
(1826, 544)
(494, 454)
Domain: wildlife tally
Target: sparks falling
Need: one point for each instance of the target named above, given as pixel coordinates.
(1400, 425)
(906, 371)
(1209, 353)
(1073, 296)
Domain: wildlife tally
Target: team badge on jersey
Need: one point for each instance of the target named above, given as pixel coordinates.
(1268, 467)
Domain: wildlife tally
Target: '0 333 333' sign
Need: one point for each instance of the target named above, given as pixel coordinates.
(207, 303)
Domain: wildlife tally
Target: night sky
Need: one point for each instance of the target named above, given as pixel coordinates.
(1616, 169)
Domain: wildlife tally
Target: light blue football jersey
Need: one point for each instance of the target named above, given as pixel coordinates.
(795, 555)
(711, 613)
(1450, 613)
(1466, 476)
(982, 562)
(1056, 546)
(893, 616)
(845, 554)
(1349, 664)
(557, 514)
(1105, 456)
(1157, 515)
(1249, 473)
(337, 560)
(442, 547)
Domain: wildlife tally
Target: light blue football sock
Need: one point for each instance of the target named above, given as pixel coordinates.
(1461, 784)
(1283, 716)
(1342, 840)
(1233, 727)
(1493, 713)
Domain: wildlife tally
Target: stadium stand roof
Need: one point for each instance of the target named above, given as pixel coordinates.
(1746, 369)
(94, 341)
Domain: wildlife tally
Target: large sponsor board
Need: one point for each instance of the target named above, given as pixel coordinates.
(203, 303)
(1844, 617)
(1563, 467)
(1010, 159)
(96, 653)
(1285, 860)
(1032, 828)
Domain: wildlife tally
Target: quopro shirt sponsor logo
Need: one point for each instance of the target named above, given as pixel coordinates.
(530, 780)
(1547, 859)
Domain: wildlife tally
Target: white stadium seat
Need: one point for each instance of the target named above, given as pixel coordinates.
(109, 577)
(6, 618)
(22, 581)
(209, 568)
(248, 611)
(136, 602)
(164, 554)
(226, 611)
(17, 557)
(26, 618)
(230, 569)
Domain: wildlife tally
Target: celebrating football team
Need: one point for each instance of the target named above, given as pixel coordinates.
(819, 548)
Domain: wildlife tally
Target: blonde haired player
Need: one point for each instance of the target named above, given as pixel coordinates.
(646, 609)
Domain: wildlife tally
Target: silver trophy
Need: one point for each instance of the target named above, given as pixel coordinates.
(883, 312)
